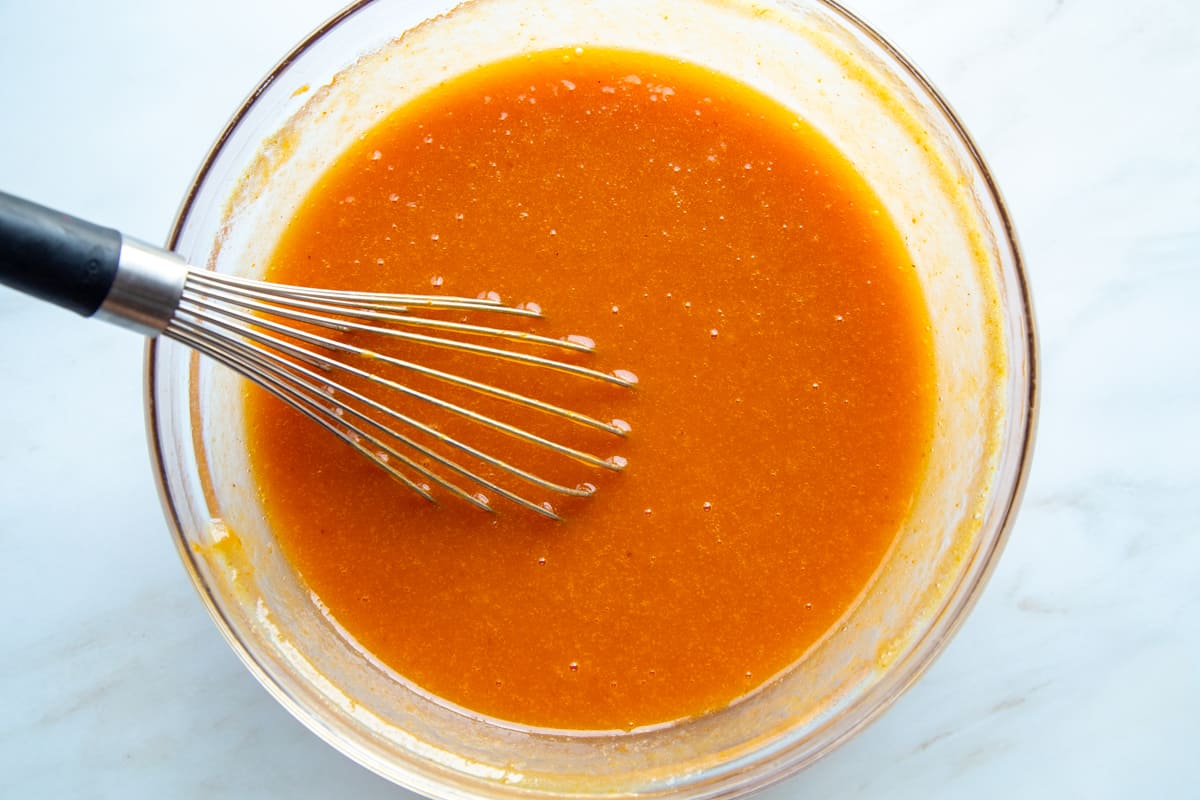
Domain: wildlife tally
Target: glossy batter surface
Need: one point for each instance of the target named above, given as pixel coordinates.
(714, 245)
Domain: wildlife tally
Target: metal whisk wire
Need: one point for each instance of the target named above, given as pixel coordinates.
(230, 319)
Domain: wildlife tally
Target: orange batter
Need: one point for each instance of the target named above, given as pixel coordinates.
(714, 245)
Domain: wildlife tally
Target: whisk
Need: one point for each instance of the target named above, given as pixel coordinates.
(274, 335)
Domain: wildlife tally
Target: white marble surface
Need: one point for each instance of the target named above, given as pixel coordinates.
(1078, 674)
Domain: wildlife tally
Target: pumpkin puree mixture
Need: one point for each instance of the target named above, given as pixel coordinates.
(713, 244)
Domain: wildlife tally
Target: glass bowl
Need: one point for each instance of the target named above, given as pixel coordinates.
(812, 56)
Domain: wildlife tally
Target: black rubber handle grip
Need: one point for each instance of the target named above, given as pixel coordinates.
(56, 257)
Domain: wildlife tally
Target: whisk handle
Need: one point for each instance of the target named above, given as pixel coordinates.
(56, 257)
(86, 268)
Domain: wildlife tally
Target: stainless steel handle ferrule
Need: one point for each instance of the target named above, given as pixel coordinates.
(146, 290)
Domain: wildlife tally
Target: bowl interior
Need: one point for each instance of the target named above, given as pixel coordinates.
(834, 72)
